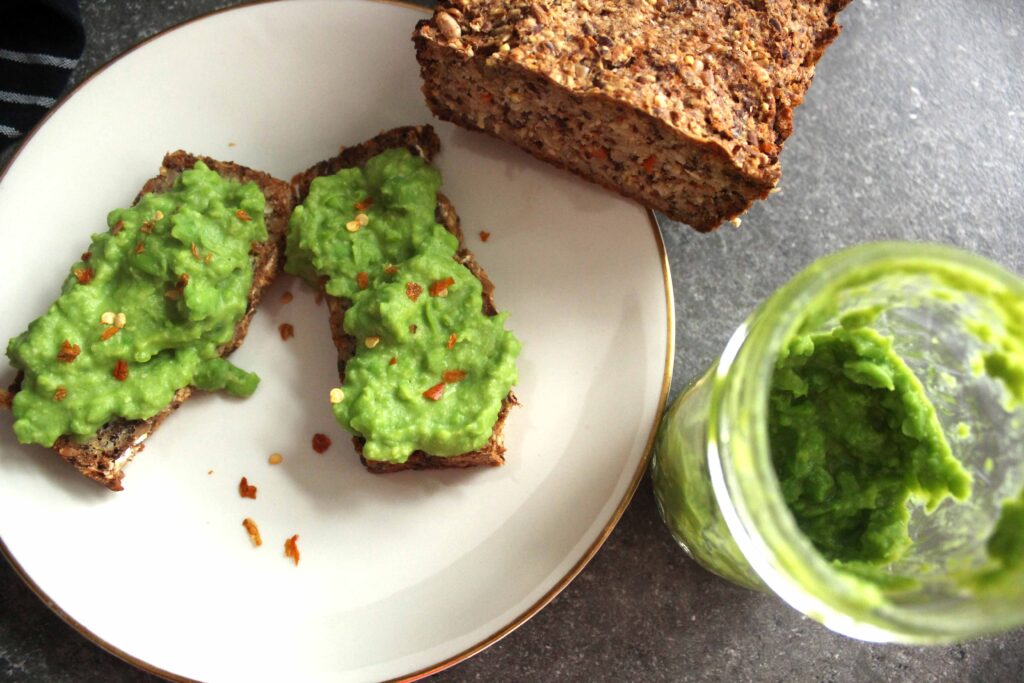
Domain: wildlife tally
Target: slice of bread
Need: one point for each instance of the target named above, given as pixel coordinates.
(421, 141)
(103, 457)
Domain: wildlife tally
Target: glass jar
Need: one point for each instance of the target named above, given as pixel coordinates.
(947, 312)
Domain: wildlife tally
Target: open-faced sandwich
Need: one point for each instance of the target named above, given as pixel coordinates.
(425, 362)
(149, 313)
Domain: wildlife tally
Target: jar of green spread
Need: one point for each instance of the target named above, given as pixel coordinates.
(856, 448)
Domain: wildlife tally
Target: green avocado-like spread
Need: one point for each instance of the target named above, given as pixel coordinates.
(431, 369)
(144, 312)
(854, 438)
(1006, 544)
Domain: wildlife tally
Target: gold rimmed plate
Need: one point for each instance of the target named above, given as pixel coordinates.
(400, 575)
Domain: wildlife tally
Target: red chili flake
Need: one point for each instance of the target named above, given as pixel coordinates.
(68, 352)
(147, 227)
(390, 269)
(172, 294)
(291, 549)
(435, 392)
(393, 361)
(451, 340)
(413, 290)
(83, 275)
(243, 216)
(487, 98)
(363, 204)
(321, 442)
(246, 490)
(86, 256)
(120, 372)
(183, 281)
(412, 329)
(484, 235)
(286, 330)
(453, 376)
(287, 297)
(60, 394)
(599, 153)
(118, 227)
(140, 247)
(252, 530)
(195, 251)
(363, 280)
(440, 288)
(109, 332)
(649, 163)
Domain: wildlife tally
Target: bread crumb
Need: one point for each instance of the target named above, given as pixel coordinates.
(246, 490)
(287, 297)
(321, 442)
(253, 531)
(286, 330)
(291, 549)
(209, 472)
(484, 235)
(275, 459)
(231, 144)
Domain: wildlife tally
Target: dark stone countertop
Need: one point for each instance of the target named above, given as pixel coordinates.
(914, 128)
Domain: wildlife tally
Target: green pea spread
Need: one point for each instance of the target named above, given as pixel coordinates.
(431, 369)
(144, 313)
(854, 438)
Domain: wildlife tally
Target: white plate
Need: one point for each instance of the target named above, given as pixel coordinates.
(400, 574)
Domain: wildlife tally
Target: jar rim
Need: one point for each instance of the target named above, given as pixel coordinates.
(739, 458)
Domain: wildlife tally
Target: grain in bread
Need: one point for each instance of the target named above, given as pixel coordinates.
(683, 105)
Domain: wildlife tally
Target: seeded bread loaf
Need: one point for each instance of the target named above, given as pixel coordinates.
(682, 105)
(423, 142)
(103, 457)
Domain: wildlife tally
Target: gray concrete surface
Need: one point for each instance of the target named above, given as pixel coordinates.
(914, 129)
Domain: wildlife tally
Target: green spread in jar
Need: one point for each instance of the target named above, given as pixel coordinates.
(144, 312)
(1006, 544)
(431, 369)
(854, 438)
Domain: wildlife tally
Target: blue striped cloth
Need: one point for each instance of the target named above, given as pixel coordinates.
(40, 43)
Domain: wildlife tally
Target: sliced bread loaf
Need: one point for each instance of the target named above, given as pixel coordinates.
(683, 105)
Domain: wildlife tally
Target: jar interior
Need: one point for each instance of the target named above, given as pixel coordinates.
(957, 322)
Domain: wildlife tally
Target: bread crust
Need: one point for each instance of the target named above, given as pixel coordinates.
(679, 104)
(103, 457)
(423, 142)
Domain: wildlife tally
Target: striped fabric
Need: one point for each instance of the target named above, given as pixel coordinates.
(40, 43)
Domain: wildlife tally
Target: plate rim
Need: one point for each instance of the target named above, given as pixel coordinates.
(545, 599)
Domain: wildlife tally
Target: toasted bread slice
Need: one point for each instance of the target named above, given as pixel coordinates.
(103, 457)
(422, 141)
